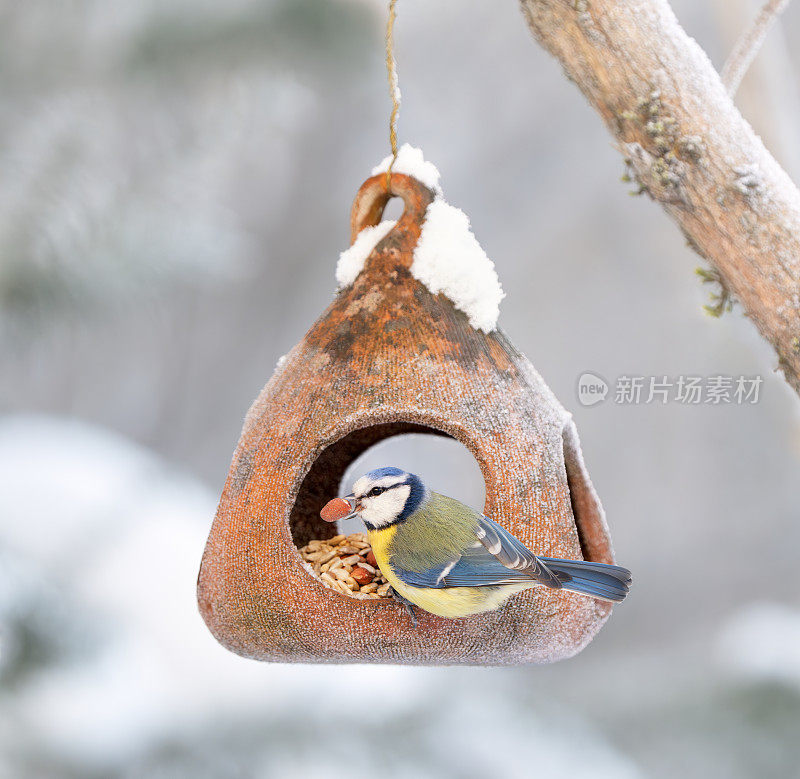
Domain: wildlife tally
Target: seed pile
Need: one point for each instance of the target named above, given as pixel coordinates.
(346, 564)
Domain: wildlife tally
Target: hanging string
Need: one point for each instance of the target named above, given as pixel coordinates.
(394, 88)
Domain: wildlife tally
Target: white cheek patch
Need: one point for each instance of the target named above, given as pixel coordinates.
(384, 509)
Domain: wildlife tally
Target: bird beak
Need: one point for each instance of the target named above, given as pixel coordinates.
(354, 507)
(334, 510)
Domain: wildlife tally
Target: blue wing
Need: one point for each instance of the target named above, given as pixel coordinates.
(469, 570)
(496, 558)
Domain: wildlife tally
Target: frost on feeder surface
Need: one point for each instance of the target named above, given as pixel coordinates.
(399, 351)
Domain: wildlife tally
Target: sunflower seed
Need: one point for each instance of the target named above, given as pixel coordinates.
(333, 561)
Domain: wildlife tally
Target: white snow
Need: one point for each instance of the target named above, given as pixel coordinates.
(411, 162)
(394, 86)
(351, 261)
(447, 259)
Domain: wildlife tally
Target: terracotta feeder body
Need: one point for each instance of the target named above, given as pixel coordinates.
(386, 358)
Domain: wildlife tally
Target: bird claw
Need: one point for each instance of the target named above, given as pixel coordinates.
(408, 604)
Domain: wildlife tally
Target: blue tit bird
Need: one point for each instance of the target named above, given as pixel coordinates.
(451, 560)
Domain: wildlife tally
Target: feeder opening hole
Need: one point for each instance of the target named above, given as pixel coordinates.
(444, 463)
(338, 553)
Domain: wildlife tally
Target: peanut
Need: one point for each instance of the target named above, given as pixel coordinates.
(347, 565)
(362, 575)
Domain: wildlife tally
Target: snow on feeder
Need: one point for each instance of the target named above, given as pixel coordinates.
(409, 345)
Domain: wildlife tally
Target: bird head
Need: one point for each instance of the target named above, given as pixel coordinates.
(386, 496)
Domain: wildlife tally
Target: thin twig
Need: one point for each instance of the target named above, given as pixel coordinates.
(746, 48)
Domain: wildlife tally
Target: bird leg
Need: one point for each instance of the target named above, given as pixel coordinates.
(407, 603)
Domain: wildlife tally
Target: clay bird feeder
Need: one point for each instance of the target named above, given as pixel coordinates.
(389, 357)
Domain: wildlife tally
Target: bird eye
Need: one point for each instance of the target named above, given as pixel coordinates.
(376, 491)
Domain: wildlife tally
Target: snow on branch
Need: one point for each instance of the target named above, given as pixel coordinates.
(688, 148)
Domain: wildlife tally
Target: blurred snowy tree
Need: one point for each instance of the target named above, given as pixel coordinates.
(104, 199)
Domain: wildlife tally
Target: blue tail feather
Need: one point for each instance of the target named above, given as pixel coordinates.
(609, 582)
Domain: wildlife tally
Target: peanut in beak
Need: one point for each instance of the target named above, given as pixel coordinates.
(337, 509)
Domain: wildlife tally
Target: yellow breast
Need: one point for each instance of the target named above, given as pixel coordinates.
(380, 540)
(445, 602)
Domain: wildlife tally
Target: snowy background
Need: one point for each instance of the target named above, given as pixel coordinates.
(176, 183)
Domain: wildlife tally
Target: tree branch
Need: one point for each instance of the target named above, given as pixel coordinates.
(689, 149)
(746, 48)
